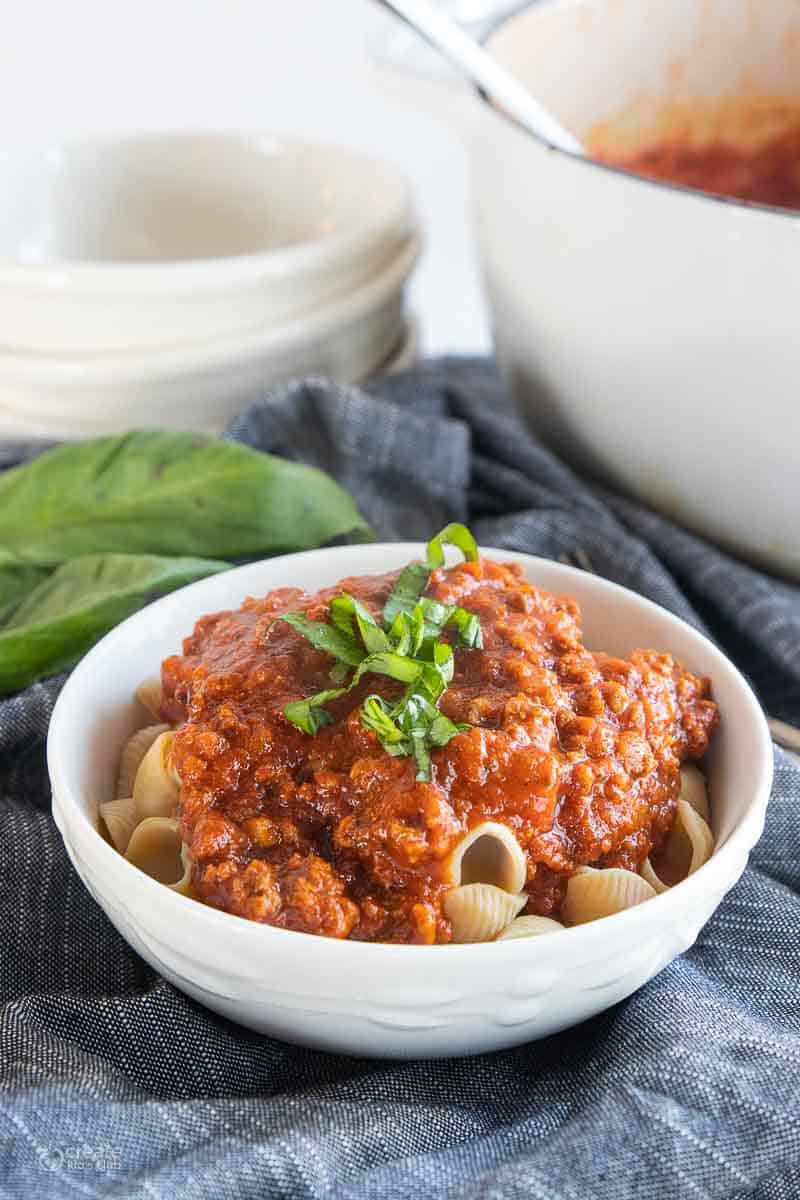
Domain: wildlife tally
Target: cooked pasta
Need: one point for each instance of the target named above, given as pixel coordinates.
(149, 695)
(695, 792)
(156, 786)
(487, 869)
(489, 853)
(528, 927)
(479, 911)
(691, 842)
(120, 819)
(648, 873)
(135, 749)
(592, 894)
(157, 849)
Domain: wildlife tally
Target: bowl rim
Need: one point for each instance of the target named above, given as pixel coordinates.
(539, 8)
(723, 867)
(376, 226)
(176, 359)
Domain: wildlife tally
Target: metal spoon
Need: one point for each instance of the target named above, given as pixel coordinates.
(472, 60)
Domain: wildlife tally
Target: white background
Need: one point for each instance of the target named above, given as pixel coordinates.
(301, 66)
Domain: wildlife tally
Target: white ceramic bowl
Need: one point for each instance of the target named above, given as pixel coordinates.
(128, 243)
(204, 385)
(649, 332)
(389, 1000)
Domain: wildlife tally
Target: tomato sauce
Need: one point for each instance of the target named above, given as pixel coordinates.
(766, 174)
(577, 752)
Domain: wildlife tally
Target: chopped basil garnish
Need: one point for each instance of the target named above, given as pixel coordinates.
(406, 648)
(328, 638)
(452, 535)
(309, 715)
(414, 578)
(376, 715)
(409, 587)
(345, 612)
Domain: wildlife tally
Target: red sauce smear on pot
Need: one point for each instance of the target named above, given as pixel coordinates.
(768, 174)
(577, 752)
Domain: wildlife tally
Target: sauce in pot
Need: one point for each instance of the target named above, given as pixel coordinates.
(767, 174)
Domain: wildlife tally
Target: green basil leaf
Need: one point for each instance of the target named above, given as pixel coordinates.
(422, 756)
(339, 673)
(452, 535)
(436, 616)
(444, 660)
(469, 629)
(308, 714)
(435, 613)
(325, 637)
(17, 580)
(168, 493)
(375, 716)
(411, 583)
(404, 670)
(436, 675)
(414, 578)
(407, 632)
(442, 730)
(439, 616)
(345, 611)
(409, 653)
(411, 728)
(414, 713)
(78, 603)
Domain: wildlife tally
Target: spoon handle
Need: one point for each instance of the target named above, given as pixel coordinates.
(465, 53)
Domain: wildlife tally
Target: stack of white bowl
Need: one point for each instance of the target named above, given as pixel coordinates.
(169, 280)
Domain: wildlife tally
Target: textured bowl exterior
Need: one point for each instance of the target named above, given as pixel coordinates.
(384, 1000)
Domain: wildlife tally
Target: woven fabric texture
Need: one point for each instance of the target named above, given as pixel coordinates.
(114, 1084)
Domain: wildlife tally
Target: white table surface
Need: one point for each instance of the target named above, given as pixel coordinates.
(297, 66)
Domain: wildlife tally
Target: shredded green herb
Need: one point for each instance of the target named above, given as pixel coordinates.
(407, 648)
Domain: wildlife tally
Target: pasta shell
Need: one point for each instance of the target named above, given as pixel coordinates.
(156, 786)
(695, 791)
(157, 849)
(148, 693)
(528, 927)
(131, 758)
(489, 853)
(120, 819)
(479, 911)
(594, 894)
(698, 836)
(184, 884)
(689, 845)
(649, 875)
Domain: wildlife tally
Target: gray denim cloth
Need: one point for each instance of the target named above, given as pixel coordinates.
(114, 1084)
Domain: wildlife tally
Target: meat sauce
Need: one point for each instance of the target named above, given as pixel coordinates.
(766, 174)
(577, 752)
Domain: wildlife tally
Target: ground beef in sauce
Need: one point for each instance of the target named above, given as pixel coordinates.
(577, 752)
